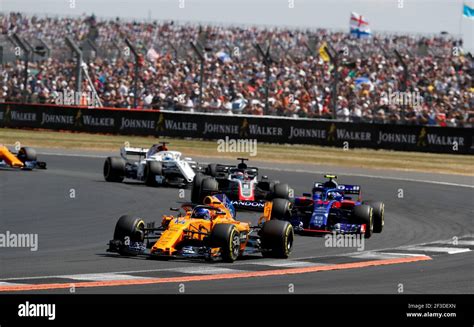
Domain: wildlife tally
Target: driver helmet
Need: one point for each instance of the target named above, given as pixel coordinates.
(202, 213)
(334, 196)
(162, 147)
(239, 175)
(153, 150)
(330, 184)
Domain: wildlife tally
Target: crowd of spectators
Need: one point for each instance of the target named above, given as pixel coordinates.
(439, 88)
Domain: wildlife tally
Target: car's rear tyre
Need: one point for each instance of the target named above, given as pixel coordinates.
(281, 191)
(26, 154)
(378, 215)
(227, 238)
(281, 209)
(152, 169)
(212, 169)
(209, 186)
(277, 239)
(364, 215)
(129, 229)
(195, 191)
(114, 169)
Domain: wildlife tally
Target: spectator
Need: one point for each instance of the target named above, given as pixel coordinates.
(300, 85)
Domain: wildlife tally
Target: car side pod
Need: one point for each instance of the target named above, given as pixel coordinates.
(276, 209)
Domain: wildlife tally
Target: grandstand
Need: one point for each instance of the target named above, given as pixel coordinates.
(359, 83)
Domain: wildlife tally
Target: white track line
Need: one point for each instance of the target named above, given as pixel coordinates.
(399, 254)
(444, 241)
(186, 269)
(460, 242)
(401, 248)
(11, 284)
(102, 277)
(384, 255)
(206, 270)
(109, 273)
(95, 156)
(284, 263)
(302, 171)
(448, 250)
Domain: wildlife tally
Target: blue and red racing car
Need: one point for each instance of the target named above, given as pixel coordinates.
(332, 207)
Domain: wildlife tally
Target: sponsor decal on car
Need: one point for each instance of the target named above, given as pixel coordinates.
(250, 204)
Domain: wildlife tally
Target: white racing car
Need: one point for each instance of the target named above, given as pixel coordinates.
(154, 166)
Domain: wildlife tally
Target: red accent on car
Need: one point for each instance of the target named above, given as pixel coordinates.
(336, 204)
(318, 231)
(251, 197)
(305, 201)
(347, 204)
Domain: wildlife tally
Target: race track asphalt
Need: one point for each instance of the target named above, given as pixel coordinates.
(73, 232)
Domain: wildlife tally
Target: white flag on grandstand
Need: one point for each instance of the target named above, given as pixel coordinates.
(223, 56)
(152, 55)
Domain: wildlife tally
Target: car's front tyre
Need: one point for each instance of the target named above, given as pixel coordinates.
(227, 238)
(129, 229)
(364, 215)
(277, 239)
(26, 154)
(378, 215)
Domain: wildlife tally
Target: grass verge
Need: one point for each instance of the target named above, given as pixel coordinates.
(305, 154)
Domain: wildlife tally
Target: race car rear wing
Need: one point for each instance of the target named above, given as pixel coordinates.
(343, 188)
(349, 189)
(346, 188)
(222, 171)
(130, 151)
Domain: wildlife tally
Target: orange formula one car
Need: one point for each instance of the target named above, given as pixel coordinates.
(208, 231)
(25, 159)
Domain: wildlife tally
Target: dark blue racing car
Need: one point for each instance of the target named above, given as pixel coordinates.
(331, 207)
